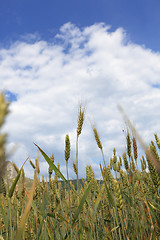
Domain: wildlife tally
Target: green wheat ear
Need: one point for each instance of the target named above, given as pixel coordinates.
(97, 138)
(135, 152)
(80, 120)
(67, 148)
(125, 161)
(128, 145)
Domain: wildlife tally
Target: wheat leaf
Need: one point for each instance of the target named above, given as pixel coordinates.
(51, 164)
(11, 190)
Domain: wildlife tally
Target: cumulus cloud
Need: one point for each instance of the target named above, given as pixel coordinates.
(93, 65)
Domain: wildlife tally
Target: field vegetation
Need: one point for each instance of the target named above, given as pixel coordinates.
(124, 205)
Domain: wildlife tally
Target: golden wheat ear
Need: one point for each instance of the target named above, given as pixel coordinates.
(148, 153)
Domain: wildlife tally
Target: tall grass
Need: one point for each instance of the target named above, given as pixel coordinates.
(124, 205)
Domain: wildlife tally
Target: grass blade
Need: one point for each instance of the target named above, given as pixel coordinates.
(82, 201)
(99, 198)
(11, 190)
(51, 164)
(108, 192)
(5, 219)
(50, 233)
(27, 209)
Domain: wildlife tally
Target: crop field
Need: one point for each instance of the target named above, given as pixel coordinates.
(124, 205)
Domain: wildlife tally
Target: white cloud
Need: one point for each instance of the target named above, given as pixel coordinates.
(93, 65)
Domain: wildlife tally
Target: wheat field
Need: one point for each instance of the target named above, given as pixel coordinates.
(124, 205)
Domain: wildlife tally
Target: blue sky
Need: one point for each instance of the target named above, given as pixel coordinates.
(56, 54)
(139, 18)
